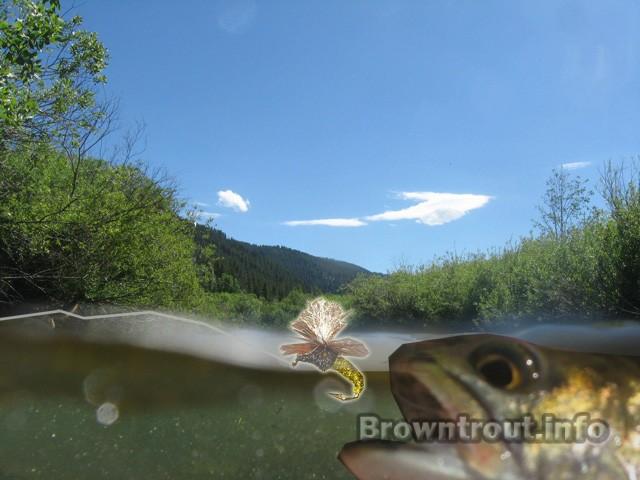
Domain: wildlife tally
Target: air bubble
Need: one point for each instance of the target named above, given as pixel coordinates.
(107, 414)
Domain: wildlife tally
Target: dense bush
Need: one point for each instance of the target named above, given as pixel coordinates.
(591, 271)
(104, 232)
(247, 308)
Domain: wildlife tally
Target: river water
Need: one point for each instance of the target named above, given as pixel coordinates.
(150, 395)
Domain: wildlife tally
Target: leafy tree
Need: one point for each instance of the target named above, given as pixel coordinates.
(48, 70)
(205, 257)
(228, 283)
(564, 204)
(73, 227)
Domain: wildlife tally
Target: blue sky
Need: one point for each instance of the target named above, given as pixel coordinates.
(352, 110)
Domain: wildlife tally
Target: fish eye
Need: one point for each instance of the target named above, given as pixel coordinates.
(499, 371)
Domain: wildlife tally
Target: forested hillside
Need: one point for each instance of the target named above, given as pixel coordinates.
(271, 272)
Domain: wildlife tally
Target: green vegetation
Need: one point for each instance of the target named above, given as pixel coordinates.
(76, 227)
(268, 271)
(72, 227)
(116, 238)
(49, 70)
(583, 264)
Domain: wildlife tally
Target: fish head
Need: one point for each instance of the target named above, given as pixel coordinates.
(485, 377)
(482, 376)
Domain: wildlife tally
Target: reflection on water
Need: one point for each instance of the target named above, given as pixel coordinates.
(150, 396)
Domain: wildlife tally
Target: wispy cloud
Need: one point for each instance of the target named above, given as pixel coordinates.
(230, 199)
(328, 222)
(201, 204)
(432, 209)
(575, 165)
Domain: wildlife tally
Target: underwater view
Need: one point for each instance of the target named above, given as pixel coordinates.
(108, 401)
(151, 395)
(320, 239)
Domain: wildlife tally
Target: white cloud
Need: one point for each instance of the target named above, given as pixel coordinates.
(328, 222)
(201, 204)
(575, 165)
(231, 199)
(433, 208)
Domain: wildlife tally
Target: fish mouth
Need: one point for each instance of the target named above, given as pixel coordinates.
(430, 385)
(423, 389)
(385, 460)
(417, 400)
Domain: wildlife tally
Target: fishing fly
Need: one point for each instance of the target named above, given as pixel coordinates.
(318, 325)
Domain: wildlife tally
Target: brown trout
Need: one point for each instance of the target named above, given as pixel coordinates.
(496, 378)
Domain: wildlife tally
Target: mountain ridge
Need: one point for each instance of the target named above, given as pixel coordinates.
(272, 271)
